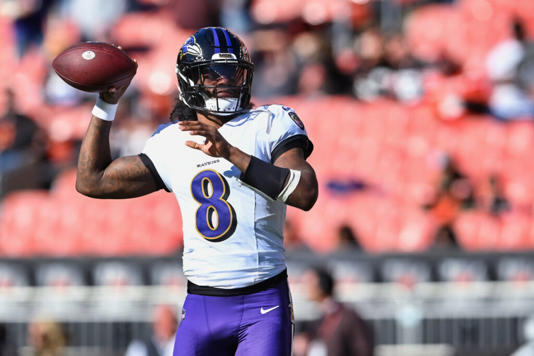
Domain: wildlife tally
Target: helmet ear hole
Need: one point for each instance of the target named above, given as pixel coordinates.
(214, 72)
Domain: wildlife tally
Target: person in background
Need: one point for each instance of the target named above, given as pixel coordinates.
(496, 203)
(23, 160)
(508, 66)
(340, 331)
(29, 18)
(161, 342)
(47, 338)
(454, 193)
(347, 239)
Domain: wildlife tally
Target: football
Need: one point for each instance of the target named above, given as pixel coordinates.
(94, 66)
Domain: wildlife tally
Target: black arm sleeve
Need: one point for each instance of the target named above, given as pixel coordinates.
(265, 177)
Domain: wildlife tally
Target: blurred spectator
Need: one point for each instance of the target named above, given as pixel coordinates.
(406, 79)
(347, 240)
(146, 5)
(235, 15)
(510, 98)
(367, 84)
(275, 72)
(95, 17)
(319, 72)
(387, 68)
(445, 238)
(47, 338)
(61, 34)
(23, 162)
(195, 14)
(312, 80)
(455, 192)
(340, 331)
(161, 343)
(397, 54)
(495, 201)
(130, 136)
(29, 19)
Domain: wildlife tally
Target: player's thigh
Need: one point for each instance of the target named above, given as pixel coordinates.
(197, 336)
(189, 343)
(268, 337)
(267, 326)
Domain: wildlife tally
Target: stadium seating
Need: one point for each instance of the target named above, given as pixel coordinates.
(314, 12)
(64, 223)
(390, 150)
(385, 155)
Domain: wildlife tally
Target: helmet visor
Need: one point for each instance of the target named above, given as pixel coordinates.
(227, 74)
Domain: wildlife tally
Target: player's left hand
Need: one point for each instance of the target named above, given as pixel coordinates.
(215, 144)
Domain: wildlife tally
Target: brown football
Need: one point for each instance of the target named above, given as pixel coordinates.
(94, 66)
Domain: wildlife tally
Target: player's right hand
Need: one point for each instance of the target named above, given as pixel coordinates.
(113, 94)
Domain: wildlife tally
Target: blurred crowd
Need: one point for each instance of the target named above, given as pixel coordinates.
(358, 49)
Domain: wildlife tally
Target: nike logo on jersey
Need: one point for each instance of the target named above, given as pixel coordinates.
(265, 311)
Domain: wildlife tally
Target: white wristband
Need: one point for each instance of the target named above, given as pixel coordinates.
(103, 110)
(292, 182)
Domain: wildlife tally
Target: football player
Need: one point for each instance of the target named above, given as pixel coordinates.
(233, 168)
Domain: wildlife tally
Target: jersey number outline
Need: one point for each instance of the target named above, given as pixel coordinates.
(214, 202)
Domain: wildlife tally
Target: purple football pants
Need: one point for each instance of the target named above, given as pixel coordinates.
(258, 324)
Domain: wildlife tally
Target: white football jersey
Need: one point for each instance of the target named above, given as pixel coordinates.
(232, 233)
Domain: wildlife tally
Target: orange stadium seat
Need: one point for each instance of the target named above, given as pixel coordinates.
(64, 187)
(144, 29)
(18, 221)
(515, 232)
(318, 227)
(477, 231)
(385, 225)
(520, 140)
(404, 171)
(315, 12)
(65, 223)
(465, 31)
